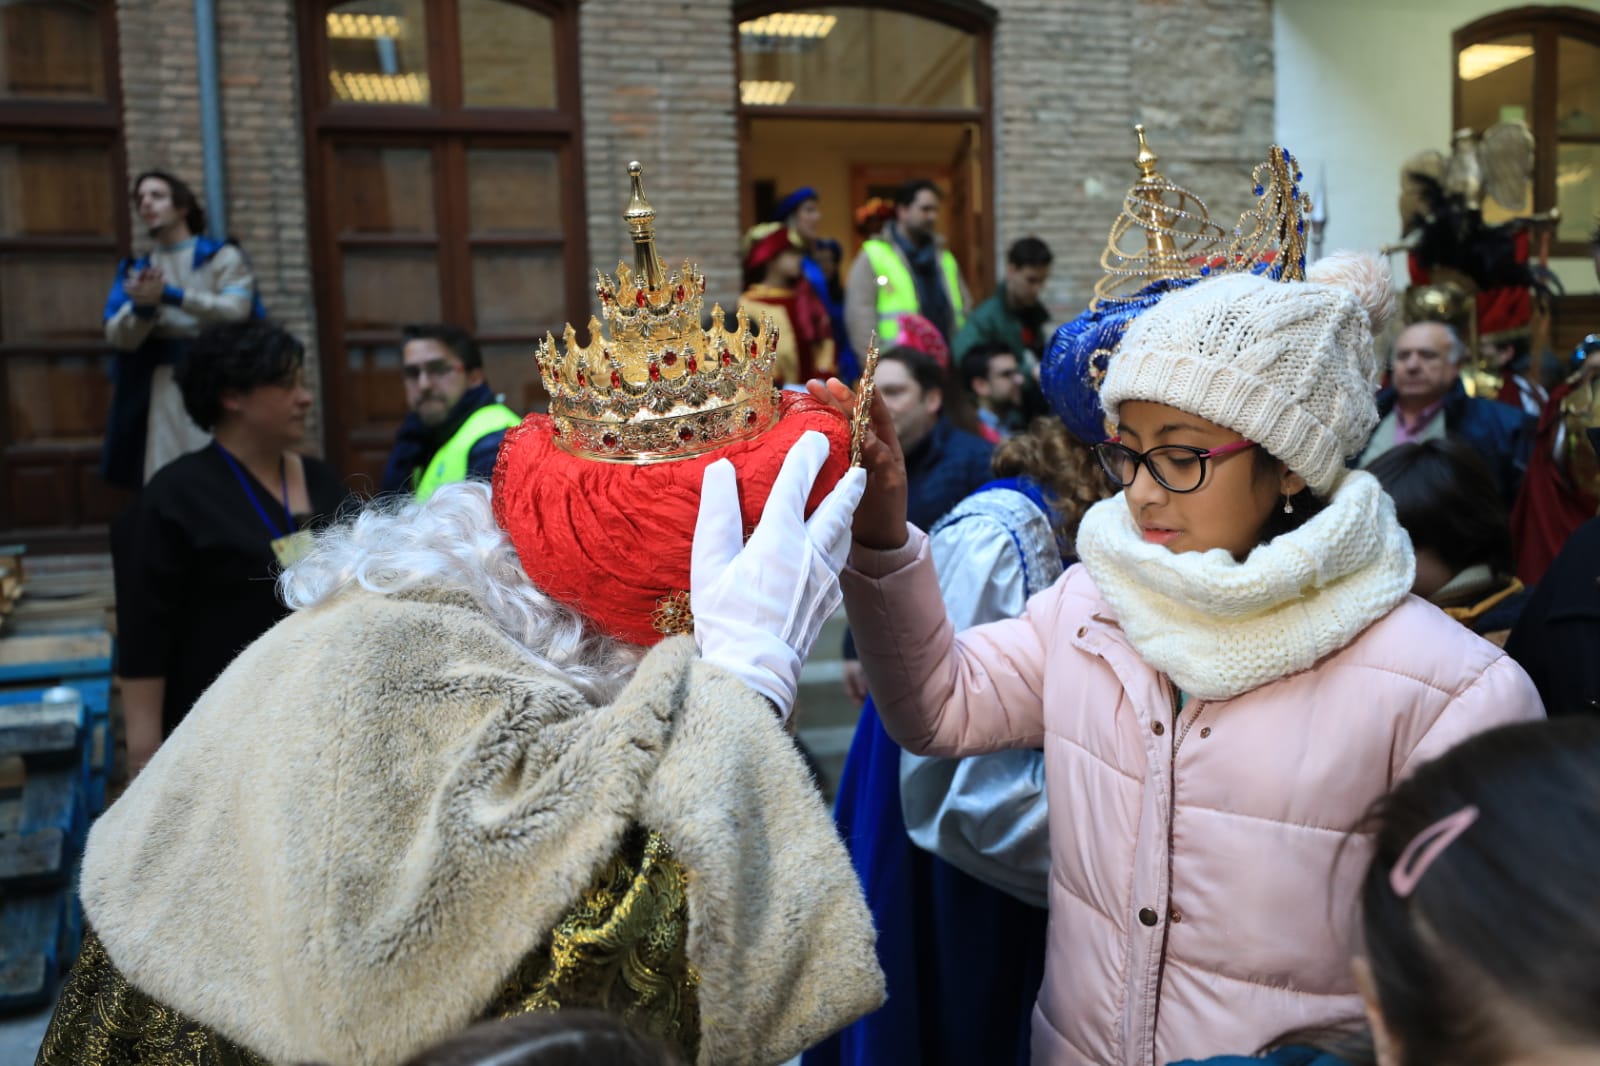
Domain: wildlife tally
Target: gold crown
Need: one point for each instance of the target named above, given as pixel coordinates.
(656, 386)
(1181, 241)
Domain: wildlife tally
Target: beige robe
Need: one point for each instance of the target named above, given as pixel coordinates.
(382, 805)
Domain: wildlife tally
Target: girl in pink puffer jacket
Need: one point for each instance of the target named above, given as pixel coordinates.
(1233, 674)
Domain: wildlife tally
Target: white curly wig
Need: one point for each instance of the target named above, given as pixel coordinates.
(393, 545)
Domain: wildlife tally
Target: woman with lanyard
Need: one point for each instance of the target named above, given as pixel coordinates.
(215, 526)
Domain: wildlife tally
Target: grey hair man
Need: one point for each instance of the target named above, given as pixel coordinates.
(1426, 399)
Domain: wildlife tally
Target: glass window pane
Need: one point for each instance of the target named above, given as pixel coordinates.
(1496, 81)
(1578, 86)
(856, 57)
(519, 290)
(51, 49)
(385, 289)
(514, 191)
(54, 191)
(59, 399)
(385, 190)
(513, 372)
(53, 297)
(508, 55)
(1577, 191)
(378, 52)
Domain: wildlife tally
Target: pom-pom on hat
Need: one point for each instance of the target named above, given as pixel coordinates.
(1290, 365)
(600, 496)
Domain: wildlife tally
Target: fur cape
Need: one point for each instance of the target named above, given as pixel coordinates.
(382, 805)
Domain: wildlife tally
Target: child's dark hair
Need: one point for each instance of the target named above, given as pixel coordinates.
(237, 356)
(1306, 504)
(1446, 499)
(183, 198)
(550, 1038)
(1498, 943)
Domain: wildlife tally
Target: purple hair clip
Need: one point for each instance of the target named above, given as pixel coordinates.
(1427, 846)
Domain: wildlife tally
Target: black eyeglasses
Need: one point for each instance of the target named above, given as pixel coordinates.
(436, 369)
(1176, 467)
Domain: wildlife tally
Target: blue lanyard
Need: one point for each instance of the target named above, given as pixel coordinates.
(244, 483)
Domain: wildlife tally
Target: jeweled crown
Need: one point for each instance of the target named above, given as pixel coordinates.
(654, 385)
(1181, 242)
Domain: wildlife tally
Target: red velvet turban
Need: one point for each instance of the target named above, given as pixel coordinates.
(612, 540)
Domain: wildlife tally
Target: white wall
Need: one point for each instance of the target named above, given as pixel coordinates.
(1361, 85)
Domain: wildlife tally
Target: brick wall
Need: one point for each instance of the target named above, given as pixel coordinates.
(264, 150)
(1071, 79)
(659, 86)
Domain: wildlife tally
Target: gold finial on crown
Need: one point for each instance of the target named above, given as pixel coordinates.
(654, 386)
(1177, 231)
(1181, 241)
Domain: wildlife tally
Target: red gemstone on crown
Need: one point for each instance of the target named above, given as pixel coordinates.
(679, 292)
(655, 372)
(669, 357)
(749, 418)
(686, 434)
(692, 365)
(616, 380)
(727, 358)
(753, 349)
(639, 298)
(582, 382)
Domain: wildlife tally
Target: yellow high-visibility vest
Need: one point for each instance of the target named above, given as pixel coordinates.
(897, 291)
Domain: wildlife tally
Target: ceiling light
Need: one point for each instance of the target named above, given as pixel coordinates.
(379, 88)
(363, 27)
(1479, 59)
(790, 24)
(765, 93)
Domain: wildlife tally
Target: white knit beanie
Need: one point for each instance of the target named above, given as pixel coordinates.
(1290, 365)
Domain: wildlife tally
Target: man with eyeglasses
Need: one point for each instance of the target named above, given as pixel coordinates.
(456, 423)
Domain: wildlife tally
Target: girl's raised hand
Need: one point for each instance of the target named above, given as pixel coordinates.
(880, 520)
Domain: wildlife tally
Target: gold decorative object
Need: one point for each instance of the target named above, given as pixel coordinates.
(1274, 230)
(672, 616)
(866, 389)
(1176, 226)
(1580, 413)
(1181, 241)
(655, 386)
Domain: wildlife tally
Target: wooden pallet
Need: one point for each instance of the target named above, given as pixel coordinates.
(55, 656)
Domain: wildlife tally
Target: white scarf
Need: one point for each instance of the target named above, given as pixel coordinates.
(1219, 627)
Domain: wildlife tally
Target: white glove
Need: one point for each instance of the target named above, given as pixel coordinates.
(758, 606)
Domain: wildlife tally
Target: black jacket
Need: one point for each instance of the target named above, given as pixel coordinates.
(1557, 639)
(1498, 432)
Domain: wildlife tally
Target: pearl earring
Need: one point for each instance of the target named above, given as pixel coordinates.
(1288, 504)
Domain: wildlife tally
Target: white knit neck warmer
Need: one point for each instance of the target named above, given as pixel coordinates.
(1219, 627)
